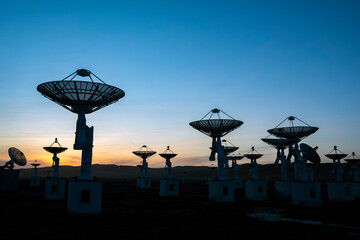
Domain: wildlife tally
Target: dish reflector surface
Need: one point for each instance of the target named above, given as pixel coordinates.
(78, 96)
(144, 151)
(17, 156)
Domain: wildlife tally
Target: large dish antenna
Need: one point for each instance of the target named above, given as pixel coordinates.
(310, 153)
(55, 150)
(216, 126)
(293, 133)
(336, 154)
(168, 155)
(16, 156)
(229, 147)
(82, 97)
(144, 152)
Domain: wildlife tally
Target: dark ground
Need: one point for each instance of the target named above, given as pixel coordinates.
(131, 213)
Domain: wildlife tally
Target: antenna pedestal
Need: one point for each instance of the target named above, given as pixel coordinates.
(9, 180)
(144, 182)
(84, 138)
(55, 189)
(223, 166)
(169, 187)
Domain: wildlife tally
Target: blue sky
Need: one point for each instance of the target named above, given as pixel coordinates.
(259, 61)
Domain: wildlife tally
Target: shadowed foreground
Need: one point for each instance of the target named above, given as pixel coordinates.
(131, 213)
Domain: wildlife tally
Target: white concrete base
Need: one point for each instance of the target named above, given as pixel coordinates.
(221, 191)
(256, 190)
(306, 194)
(283, 188)
(339, 191)
(238, 183)
(35, 182)
(144, 183)
(9, 180)
(55, 189)
(356, 186)
(85, 197)
(169, 188)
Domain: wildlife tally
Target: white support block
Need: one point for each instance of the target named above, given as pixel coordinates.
(85, 197)
(9, 180)
(221, 191)
(340, 191)
(55, 189)
(256, 190)
(144, 183)
(35, 182)
(238, 183)
(356, 186)
(169, 188)
(306, 194)
(283, 188)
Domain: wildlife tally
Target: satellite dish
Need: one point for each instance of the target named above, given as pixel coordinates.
(336, 154)
(293, 133)
(353, 159)
(144, 152)
(310, 153)
(16, 156)
(168, 154)
(55, 150)
(35, 164)
(253, 154)
(81, 96)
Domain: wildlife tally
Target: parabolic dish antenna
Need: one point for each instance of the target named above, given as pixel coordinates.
(168, 154)
(55, 150)
(144, 151)
(35, 164)
(235, 157)
(81, 96)
(293, 133)
(17, 156)
(253, 154)
(229, 147)
(353, 159)
(336, 154)
(216, 127)
(310, 153)
(278, 143)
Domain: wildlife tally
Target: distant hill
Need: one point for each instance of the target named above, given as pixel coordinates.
(118, 172)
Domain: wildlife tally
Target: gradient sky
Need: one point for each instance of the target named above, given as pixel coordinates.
(258, 61)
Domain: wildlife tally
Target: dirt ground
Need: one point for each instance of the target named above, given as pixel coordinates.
(132, 213)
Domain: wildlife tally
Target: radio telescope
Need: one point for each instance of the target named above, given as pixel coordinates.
(336, 155)
(354, 161)
(168, 155)
(144, 152)
(294, 134)
(169, 186)
(55, 151)
(17, 157)
(82, 97)
(222, 188)
(217, 128)
(253, 155)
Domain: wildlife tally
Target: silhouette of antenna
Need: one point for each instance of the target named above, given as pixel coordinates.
(16, 156)
(55, 150)
(220, 189)
(82, 97)
(144, 153)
